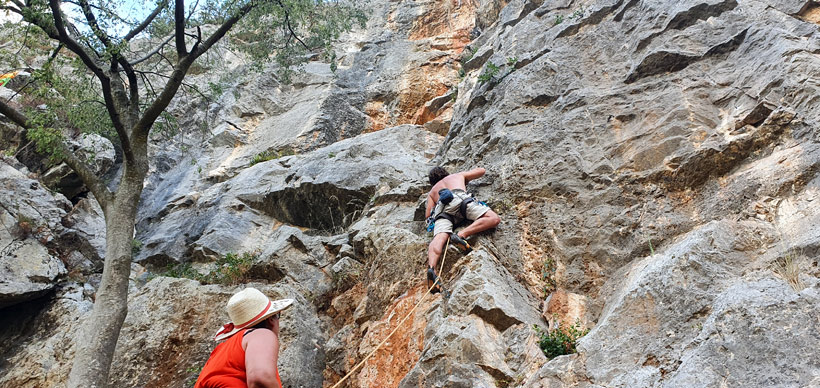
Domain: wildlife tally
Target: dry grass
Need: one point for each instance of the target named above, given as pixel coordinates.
(788, 268)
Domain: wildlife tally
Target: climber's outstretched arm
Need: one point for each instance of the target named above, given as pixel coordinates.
(473, 174)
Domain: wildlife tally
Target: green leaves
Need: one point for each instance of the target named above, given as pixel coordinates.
(561, 340)
(491, 71)
(229, 269)
(292, 32)
(63, 100)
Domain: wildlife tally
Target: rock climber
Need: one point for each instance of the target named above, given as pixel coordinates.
(448, 205)
(248, 358)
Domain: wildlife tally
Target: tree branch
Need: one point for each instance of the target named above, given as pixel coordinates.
(145, 23)
(153, 52)
(92, 22)
(198, 39)
(12, 9)
(161, 102)
(223, 29)
(58, 32)
(89, 177)
(62, 36)
(14, 115)
(81, 168)
(179, 27)
(290, 28)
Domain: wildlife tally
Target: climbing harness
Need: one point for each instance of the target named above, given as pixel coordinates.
(445, 196)
(372, 352)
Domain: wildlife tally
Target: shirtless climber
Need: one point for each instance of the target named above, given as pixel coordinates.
(448, 204)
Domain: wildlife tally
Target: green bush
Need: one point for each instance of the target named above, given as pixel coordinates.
(229, 269)
(560, 341)
(136, 246)
(266, 155)
(489, 72)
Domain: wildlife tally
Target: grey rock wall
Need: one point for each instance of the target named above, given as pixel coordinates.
(661, 156)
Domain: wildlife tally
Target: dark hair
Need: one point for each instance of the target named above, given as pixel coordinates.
(263, 324)
(436, 174)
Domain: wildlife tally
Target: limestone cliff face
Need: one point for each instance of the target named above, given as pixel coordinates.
(654, 164)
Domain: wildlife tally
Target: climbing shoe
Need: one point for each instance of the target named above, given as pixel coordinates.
(460, 243)
(433, 281)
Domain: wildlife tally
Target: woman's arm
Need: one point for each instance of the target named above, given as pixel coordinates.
(261, 357)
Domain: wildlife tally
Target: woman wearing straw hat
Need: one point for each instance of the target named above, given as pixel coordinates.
(249, 359)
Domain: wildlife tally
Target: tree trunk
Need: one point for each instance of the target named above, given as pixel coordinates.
(94, 349)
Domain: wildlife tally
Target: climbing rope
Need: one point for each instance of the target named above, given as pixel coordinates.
(372, 352)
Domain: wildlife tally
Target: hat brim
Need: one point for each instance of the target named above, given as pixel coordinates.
(275, 307)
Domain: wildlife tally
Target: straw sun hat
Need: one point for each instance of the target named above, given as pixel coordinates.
(247, 308)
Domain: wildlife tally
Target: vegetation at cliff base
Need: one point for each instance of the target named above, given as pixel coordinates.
(229, 269)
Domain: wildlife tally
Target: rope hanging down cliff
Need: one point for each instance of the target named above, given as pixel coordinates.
(372, 352)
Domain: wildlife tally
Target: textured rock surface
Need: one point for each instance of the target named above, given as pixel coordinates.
(37, 238)
(654, 164)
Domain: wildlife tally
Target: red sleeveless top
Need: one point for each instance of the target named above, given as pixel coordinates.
(226, 366)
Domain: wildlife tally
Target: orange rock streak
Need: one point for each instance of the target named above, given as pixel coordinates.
(395, 358)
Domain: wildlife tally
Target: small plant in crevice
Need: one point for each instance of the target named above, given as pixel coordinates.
(267, 155)
(511, 61)
(548, 276)
(25, 224)
(558, 19)
(560, 340)
(136, 246)
(469, 55)
(490, 71)
(578, 14)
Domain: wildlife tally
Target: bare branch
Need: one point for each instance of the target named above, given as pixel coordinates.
(145, 23)
(224, 28)
(61, 35)
(198, 39)
(56, 51)
(153, 52)
(179, 27)
(184, 63)
(14, 115)
(12, 9)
